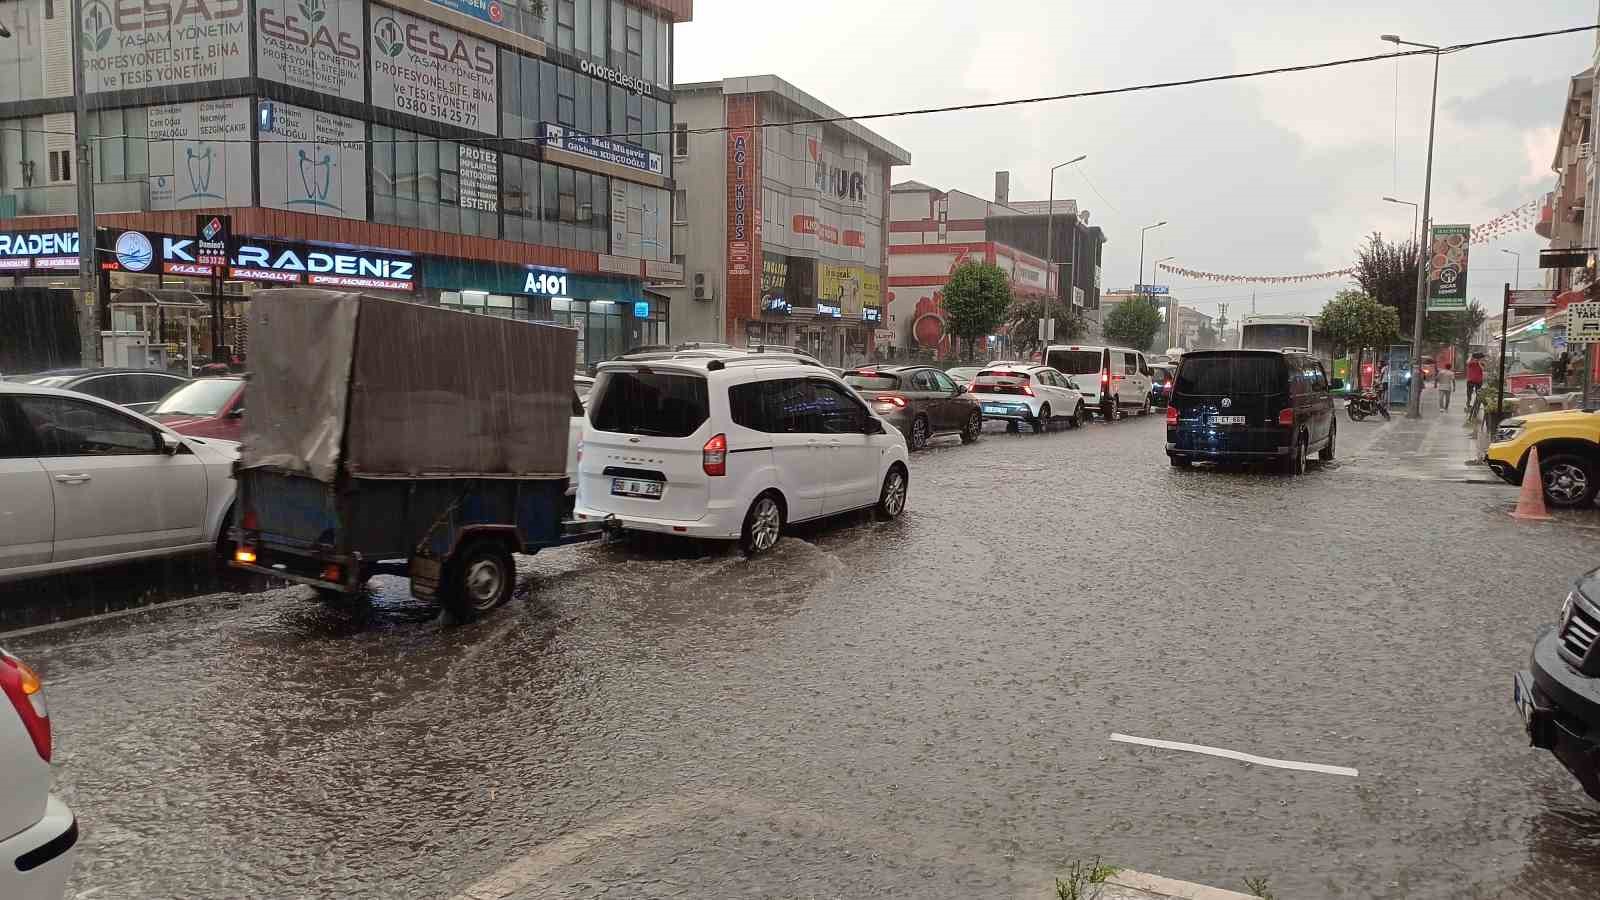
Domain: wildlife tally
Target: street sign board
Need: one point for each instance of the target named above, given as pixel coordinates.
(1583, 323)
(1531, 299)
(1047, 329)
(1150, 288)
(1447, 267)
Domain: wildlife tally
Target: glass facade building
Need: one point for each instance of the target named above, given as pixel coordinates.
(411, 127)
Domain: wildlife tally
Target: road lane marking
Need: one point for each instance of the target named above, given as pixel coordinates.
(1235, 755)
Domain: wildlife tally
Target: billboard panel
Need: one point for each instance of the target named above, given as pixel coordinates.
(312, 161)
(199, 154)
(312, 44)
(1447, 267)
(433, 72)
(148, 44)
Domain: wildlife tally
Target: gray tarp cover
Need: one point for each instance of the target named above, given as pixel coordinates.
(430, 391)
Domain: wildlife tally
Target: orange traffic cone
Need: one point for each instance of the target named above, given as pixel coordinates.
(1530, 504)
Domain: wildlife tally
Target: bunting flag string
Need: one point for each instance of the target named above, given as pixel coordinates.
(1257, 279)
(1522, 218)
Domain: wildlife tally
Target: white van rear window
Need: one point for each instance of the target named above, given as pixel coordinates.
(659, 404)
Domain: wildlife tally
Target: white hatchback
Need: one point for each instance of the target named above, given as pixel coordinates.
(733, 447)
(1037, 395)
(91, 484)
(38, 833)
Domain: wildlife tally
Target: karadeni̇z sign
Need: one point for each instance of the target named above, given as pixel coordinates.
(1447, 268)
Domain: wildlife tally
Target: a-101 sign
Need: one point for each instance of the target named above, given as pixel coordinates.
(545, 284)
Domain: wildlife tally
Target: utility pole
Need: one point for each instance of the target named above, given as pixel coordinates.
(1414, 408)
(1045, 332)
(86, 301)
(1222, 321)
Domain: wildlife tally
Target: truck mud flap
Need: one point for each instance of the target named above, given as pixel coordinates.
(425, 573)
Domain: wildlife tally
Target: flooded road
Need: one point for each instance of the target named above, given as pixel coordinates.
(920, 708)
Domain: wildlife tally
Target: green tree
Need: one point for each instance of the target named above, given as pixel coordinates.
(1133, 323)
(975, 301)
(1387, 272)
(1454, 329)
(1022, 323)
(1355, 321)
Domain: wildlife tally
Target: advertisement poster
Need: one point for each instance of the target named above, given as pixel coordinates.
(774, 277)
(127, 46)
(312, 161)
(741, 208)
(312, 44)
(433, 72)
(840, 286)
(199, 154)
(1447, 268)
(479, 178)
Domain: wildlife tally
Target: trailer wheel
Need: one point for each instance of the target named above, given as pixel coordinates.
(478, 578)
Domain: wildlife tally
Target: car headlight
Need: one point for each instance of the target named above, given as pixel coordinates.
(1507, 432)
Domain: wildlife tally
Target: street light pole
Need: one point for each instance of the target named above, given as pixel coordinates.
(1050, 254)
(1142, 293)
(1413, 215)
(1171, 305)
(1414, 408)
(85, 302)
(1517, 281)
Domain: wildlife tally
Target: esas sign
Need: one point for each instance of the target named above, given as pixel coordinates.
(545, 284)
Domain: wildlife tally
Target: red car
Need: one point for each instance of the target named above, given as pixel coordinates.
(205, 407)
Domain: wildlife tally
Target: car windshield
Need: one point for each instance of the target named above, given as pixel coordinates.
(874, 382)
(1231, 373)
(204, 397)
(1075, 362)
(658, 404)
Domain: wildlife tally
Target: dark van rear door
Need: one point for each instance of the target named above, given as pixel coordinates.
(1229, 401)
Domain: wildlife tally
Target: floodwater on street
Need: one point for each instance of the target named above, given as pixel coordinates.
(919, 708)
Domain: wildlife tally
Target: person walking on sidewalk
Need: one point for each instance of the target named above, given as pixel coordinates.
(1445, 381)
(1474, 376)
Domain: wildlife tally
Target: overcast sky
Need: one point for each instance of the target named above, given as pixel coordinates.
(1274, 175)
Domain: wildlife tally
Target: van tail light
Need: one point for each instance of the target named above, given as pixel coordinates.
(893, 400)
(26, 692)
(1172, 414)
(714, 457)
(1286, 418)
(249, 522)
(1105, 379)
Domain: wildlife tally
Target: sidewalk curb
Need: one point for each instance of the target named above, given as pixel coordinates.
(1130, 885)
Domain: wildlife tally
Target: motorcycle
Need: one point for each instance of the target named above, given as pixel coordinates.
(1365, 404)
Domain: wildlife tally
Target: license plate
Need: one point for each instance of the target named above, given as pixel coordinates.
(992, 408)
(633, 487)
(1227, 420)
(1524, 703)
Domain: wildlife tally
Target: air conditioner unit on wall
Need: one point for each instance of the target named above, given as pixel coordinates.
(702, 290)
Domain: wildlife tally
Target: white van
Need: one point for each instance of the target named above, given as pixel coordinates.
(1113, 380)
(733, 446)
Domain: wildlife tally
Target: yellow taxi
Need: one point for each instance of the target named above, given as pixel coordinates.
(1569, 454)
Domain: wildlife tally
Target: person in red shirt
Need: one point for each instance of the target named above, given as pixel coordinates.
(1474, 376)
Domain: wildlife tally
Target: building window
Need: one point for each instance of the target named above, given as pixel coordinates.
(566, 102)
(680, 140)
(416, 180)
(60, 166)
(566, 24)
(680, 207)
(634, 64)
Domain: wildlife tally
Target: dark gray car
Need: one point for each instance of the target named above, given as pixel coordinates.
(136, 389)
(922, 401)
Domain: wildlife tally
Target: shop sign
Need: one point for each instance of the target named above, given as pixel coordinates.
(828, 309)
(1539, 384)
(479, 178)
(843, 182)
(619, 217)
(199, 154)
(483, 10)
(312, 161)
(315, 45)
(1531, 299)
(1583, 323)
(828, 234)
(1447, 267)
(739, 206)
(871, 314)
(433, 72)
(131, 44)
(774, 278)
(641, 309)
(620, 79)
(655, 270)
(622, 153)
(840, 285)
(28, 249)
(545, 284)
(216, 234)
(326, 267)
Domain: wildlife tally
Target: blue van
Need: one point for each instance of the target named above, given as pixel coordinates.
(1238, 406)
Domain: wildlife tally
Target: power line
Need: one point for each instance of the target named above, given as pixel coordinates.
(968, 107)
